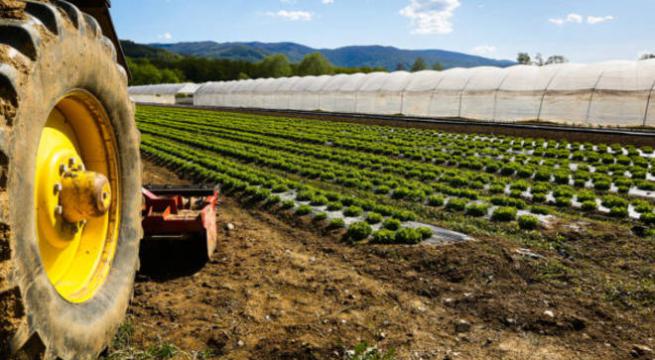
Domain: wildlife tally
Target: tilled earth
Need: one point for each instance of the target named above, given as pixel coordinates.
(280, 288)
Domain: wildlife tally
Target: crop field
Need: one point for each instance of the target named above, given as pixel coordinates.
(394, 185)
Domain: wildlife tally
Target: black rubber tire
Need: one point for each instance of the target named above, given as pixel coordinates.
(46, 50)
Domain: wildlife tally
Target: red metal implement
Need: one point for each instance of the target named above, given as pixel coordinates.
(180, 213)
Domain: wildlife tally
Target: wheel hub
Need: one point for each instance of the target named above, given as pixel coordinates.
(76, 197)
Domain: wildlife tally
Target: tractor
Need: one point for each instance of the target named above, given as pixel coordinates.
(71, 199)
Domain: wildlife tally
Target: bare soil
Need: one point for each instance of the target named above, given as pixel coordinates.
(280, 288)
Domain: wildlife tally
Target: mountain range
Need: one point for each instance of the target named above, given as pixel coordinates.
(349, 56)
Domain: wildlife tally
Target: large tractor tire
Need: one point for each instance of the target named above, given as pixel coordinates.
(69, 184)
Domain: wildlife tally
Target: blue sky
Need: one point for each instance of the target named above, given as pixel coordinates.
(582, 30)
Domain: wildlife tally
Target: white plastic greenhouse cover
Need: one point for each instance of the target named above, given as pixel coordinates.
(618, 93)
(161, 93)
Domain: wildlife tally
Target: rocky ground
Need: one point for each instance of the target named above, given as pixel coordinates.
(280, 288)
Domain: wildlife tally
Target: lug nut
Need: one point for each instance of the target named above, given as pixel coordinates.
(63, 169)
(71, 162)
(57, 188)
(59, 210)
(81, 167)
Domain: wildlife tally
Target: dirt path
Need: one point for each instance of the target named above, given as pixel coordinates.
(280, 291)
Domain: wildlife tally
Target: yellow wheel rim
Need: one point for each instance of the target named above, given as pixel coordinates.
(77, 144)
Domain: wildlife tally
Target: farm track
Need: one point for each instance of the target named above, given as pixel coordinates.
(279, 288)
(638, 137)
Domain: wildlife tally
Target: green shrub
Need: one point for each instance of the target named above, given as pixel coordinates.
(561, 176)
(436, 200)
(477, 210)
(521, 185)
(374, 218)
(542, 174)
(539, 197)
(383, 236)
(589, 205)
(304, 196)
(425, 232)
(408, 236)
(508, 201)
(383, 190)
(496, 188)
(391, 224)
(288, 204)
(602, 184)
(319, 200)
(648, 218)
(646, 185)
(273, 200)
(358, 231)
(320, 216)
(504, 214)
(334, 206)
(353, 211)
(347, 201)
(303, 210)
(400, 193)
(528, 222)
(404, 215)
(642, 206)
(382, 209)
(611, 201)
(456, 204)
(279, 188)
(585, 195)
(619, 212)
(337, 223)
(540, 210)
(562, 202)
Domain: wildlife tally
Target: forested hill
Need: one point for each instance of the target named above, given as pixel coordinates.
(387, 57)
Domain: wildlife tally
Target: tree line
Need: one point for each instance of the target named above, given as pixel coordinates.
(157, 70)
(196, 69)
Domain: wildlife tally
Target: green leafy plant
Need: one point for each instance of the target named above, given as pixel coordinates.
(408, 236)
(504, 214)
(528, 222)
(374, 218)
(391, 224)
(358, 231)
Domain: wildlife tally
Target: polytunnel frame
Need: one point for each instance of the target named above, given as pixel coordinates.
(545, 92)
(648, 101)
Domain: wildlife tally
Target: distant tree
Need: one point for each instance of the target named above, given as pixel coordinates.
(171, 76)
(144, 72)
(315, 64)
(437, 66)
(647, 56)
(400, 67)
(524, 59)
(419, 65)
(538, 60)
(556, 59)
(243, 76)
(274, 66)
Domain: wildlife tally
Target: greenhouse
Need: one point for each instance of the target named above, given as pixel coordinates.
(615, 93)
(164, 93)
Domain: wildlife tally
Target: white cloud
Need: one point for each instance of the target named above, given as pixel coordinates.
(327, 2)
(165, 36)
(599, 19)
(579, 19)
(570, 18)
(431, 16)
(484, 50)
(292, 15)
